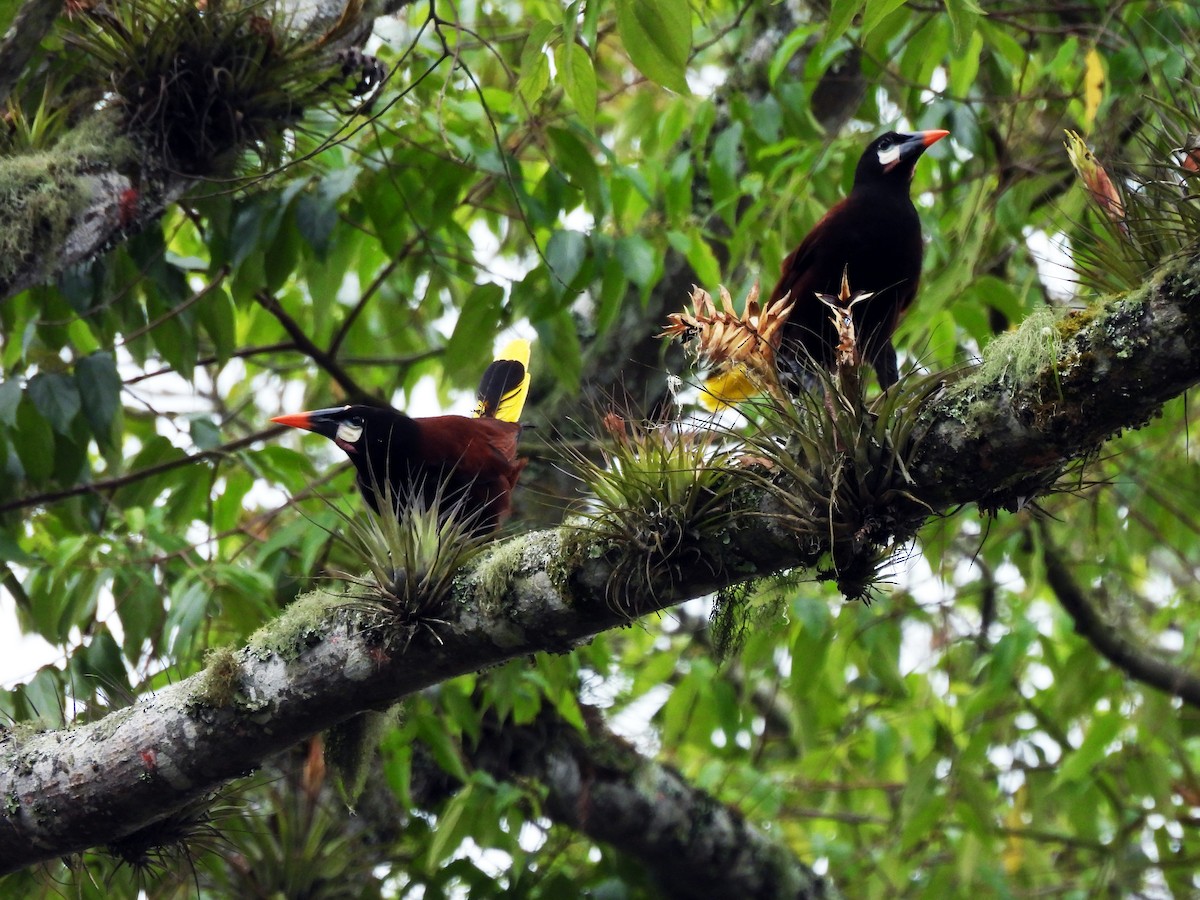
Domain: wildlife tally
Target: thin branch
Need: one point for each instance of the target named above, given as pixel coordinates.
(1135, 661)
(112, 484)
(354, 391)
(174, 311)
(244, 353)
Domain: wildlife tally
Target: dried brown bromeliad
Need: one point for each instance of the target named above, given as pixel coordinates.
(742, 347)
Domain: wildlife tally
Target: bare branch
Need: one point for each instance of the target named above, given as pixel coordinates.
(1117, 647)
(111, 484)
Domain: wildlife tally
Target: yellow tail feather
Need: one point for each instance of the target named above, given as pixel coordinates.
(505, 384)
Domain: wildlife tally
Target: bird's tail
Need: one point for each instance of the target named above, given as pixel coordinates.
(504, 384)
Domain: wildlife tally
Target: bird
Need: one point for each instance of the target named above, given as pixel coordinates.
(873, 237)
(468, 463)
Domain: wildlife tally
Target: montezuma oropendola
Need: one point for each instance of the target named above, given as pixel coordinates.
(874, 235)
(450, 459)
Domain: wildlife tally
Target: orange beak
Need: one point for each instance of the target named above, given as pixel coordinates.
(296, 420)
(929, 138)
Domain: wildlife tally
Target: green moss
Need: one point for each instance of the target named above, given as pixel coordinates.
(218, 682)
(302, 624)
(1019, 356)
(43, 192)
(350, 747)
(571, 551)
(493, 575)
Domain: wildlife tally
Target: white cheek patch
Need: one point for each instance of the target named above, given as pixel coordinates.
(889, 156)
(349, 433)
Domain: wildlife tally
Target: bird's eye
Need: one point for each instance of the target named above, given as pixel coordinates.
(355, 421)
(885, 143)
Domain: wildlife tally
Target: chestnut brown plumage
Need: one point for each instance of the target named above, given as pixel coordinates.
(450, 460)
(874, 237)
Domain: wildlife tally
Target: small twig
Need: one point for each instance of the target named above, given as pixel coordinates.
(244, 353)
(176, 310)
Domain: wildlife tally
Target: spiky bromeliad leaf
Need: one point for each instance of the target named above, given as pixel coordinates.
(655, 488)
(414, 553)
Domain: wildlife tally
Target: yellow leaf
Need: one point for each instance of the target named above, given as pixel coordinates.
(1093, 87)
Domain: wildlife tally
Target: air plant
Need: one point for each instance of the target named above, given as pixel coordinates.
(1149, 210)
(203, 83)
(412, 555)
(655, 490)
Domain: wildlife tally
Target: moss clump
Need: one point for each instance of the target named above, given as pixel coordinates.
(350, 747)
(302, 624)
(43, 193)
(219, 680)
(572, 548)
(494, 574)
(1020, 356)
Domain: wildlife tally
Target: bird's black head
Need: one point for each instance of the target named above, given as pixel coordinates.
(890, 158)
(356, 429)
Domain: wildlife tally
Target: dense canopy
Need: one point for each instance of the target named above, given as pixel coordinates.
(933, 641)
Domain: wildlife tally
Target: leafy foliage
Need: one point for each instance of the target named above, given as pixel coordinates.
(570, 170)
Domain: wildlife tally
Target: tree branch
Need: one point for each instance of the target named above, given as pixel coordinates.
(74, 200)
(598, 784)
(1135, 661)
(112, 484)
(986, 440)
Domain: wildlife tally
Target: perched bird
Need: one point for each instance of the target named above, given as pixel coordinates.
(473, 461)
(874, 237)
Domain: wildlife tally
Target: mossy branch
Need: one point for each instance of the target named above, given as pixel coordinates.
(995, 437)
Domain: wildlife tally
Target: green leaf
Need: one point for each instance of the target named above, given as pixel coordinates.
(452, 827)
(790, 47)
(470, 345)
(841, 15)
(316, 215)
(189, 610)
(99, 386)
(206, 434)
(657, 35)
(965, 68)
(534, 79)
(1081, 763)
(56, 398)
(964, 14)
(35, 447)
(578, 78)
(10, 397)
(10, 551)
(565, 252)
(219, 317)
(638, 260)
(876, 12)
(559, 341)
